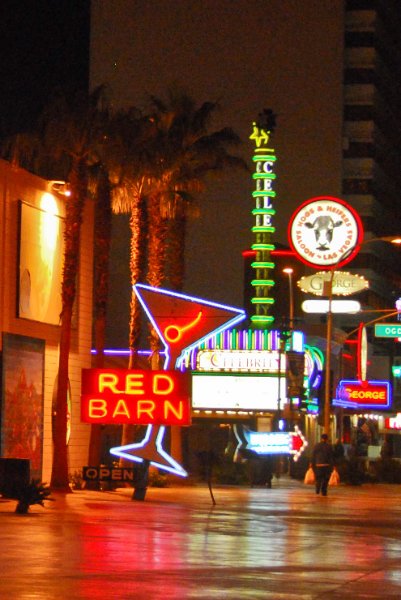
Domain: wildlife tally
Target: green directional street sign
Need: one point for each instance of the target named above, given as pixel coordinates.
(396, 370)
(388, 330)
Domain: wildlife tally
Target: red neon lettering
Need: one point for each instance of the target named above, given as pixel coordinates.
(146, 407)
(108, 380)
(169, 408)
(132, 382)
(159, 385)
(97, 408)
(121, 409)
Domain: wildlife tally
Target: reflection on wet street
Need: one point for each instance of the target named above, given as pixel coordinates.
(255, 543)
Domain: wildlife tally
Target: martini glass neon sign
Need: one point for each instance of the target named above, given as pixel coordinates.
(182, 322)
(173, 338)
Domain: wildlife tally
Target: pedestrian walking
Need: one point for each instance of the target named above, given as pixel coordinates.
(322, 463)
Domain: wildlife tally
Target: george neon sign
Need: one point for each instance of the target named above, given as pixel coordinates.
(363, 394)
(119, 396)
(343, 283)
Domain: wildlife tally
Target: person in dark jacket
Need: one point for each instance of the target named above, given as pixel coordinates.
(322, 463)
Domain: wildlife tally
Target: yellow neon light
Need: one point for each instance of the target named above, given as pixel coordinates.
(265, 157)
(179, 330)
(259, 135)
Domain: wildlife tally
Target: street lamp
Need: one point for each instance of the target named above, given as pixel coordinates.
(289, 271)
(328, 290)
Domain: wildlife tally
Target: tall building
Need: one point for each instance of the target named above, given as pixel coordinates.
(371, 179)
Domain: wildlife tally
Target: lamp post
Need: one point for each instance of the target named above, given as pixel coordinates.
(329, 331)
(289, 271)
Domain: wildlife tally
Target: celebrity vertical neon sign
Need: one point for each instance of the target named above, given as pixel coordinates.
(264, 159)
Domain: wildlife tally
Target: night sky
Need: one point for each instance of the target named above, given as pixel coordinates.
(247, 55)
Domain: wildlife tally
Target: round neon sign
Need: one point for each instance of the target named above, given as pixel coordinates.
(325, 232)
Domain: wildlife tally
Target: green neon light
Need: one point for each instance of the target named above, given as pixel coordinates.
(263, 247)
(266, 157)
(264, 193)
(264, 176)
(263, 211)
(266, 282)
(262, 319)
(262, 300)
(263, 229)
(263, 265)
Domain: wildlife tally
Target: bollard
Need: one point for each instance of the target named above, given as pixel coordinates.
(142, 480)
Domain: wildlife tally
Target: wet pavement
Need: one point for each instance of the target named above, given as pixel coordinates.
(254, 543)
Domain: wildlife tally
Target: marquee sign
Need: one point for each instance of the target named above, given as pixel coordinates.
(325, 231)
(343, 283)
(237, 391)
(363, 394)
(240, 360)
(119, 396)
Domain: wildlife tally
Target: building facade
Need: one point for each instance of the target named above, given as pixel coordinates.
(31, 225)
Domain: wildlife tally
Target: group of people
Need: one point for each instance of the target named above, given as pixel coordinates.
(324, 458)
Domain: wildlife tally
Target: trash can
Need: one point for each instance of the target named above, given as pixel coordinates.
(14, 475)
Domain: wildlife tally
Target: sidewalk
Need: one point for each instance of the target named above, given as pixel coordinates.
(254, 543)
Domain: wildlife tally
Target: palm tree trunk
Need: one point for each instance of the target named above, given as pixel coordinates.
(102, 232)
(177, 252)
(72, 231)
(138, 224)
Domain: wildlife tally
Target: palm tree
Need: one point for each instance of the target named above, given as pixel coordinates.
(185, 153)
(132, 133)
(72, 130)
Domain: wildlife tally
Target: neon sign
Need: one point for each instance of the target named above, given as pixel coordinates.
(363, 394)
(264, 177)
(181, 322)
(265, 443)
(119, 396)
(393, 422)
(150, 449)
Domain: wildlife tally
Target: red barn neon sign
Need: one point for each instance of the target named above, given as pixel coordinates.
(119, 396)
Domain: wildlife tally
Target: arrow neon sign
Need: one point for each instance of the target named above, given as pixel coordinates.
(266, 443)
